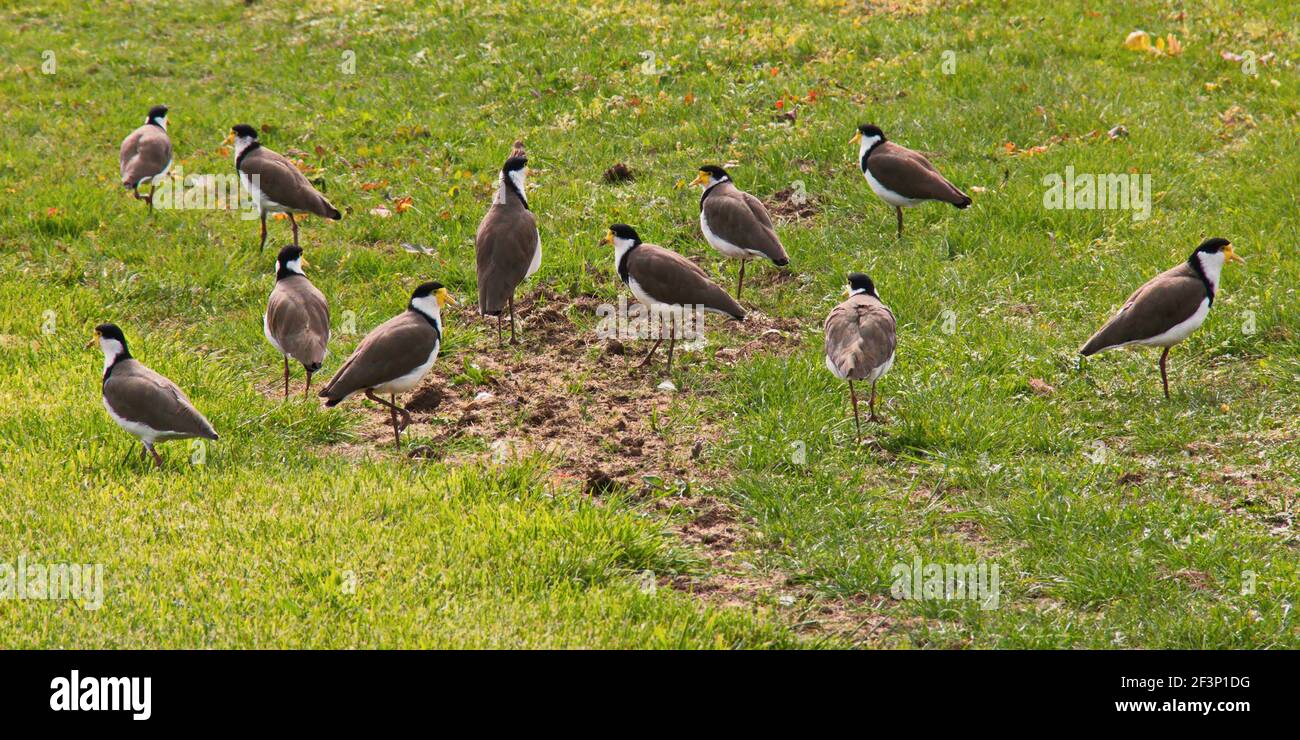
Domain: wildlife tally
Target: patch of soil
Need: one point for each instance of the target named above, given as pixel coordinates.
(791, 205)
(576, 398)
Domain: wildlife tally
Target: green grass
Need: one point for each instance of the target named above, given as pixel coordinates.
(1147, 545)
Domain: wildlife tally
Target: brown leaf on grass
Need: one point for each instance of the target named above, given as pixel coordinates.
(1197, 579)
(619, 173)
(404, 204)
(1041, 387)
(368, 186)
(1236, 116)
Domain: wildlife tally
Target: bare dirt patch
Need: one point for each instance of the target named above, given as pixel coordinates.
(575, 398)
(791, 205)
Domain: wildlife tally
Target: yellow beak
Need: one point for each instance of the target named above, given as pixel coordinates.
(230, 137)
(444, 297)
(1231, 255)
(92, 341)
(857, 136)
(701, 179)
(608, 238)
(845, 292)
(305, 263)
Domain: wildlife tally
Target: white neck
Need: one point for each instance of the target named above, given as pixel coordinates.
(242, 143)
(428, 305)
(292, 266)
(866, 143)
(1212, 264)
(111, 348)
(715, 181)
(858, 291)
(160, 121)
(516, 177)
(621, 246)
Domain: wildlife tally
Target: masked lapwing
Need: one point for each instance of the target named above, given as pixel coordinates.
(507, 247)
(143, 402)
(659, 279)
(395, 356)
(146, 154)
(1169, 307)
(297, 318)
(736, 223)
(901, 177)
(860, 340)
(275, 184)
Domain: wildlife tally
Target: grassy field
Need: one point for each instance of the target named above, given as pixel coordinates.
(736, 511)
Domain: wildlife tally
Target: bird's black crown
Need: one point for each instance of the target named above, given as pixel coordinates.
(623, 231)
(289, 254)
(110, 331)
(714, 171)
(243, 129)
(158, 111)
(869, 130)
(860, 281)
(1213, 245)
(514, 163)
(426, 289)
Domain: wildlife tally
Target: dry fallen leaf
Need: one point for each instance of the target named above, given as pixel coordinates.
(368, 186)
(1040, 387)
(381, 211)
(1138, 41)
(404, 204)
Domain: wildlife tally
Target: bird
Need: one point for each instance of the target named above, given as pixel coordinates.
(395, 356)
(736, 223)
(146, 154)
(1169, 307)
(275, 184)
(899, 176)
(297, 318)
(141, 401)
(661, 278)
(860, 340)
(507, 247)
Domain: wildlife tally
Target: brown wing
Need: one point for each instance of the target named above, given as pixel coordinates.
(145, 152)
(138, 394)
(741, 219)
(670, 278)
(393, 349)
(299, 319)
(503, 248)
(1165, 301)
(860, 336)
(911, 175)
(280, 181)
